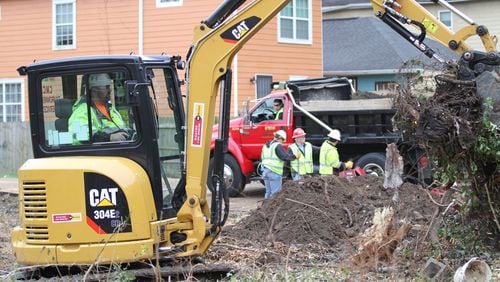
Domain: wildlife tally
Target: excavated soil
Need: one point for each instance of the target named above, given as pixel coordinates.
(319, 220)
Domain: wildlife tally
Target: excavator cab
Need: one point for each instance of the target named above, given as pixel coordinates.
(83, 186)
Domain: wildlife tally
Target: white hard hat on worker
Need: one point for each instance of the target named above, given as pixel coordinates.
(99, 80)
(280, 134)
(334, 134)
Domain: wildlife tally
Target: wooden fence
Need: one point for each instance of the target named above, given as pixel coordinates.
(15, 147)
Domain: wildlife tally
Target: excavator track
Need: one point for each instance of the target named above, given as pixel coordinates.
(166, 270)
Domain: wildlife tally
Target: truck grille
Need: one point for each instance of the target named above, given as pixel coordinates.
(34, 200)
(35, 210)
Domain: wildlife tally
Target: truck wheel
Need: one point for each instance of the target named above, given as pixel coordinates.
(372, 163)
(232, 176)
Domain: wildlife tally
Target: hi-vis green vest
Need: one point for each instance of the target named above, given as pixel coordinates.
(277, 115)
(304, 164)
(270, 158)
(100, 123)
(328, 158)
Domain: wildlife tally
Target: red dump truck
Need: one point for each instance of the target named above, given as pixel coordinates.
(317, 106)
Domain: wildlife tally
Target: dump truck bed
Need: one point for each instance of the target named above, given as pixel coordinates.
(379, 104)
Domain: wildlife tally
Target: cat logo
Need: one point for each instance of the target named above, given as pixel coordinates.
(239, 30)
(105, 197)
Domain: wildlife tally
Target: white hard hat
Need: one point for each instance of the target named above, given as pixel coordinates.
(99, 79)
(280, 133)
(334, 134)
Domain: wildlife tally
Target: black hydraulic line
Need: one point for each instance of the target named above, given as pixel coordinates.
(224, 131)
(222, 12)
(218, 186)
(219, 193)
(416, 41)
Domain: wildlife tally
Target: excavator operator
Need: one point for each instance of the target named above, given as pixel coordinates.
(107, 123)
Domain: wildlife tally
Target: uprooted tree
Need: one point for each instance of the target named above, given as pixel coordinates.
(454, 126)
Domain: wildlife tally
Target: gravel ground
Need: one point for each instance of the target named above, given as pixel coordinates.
(268, 262)
(8, 219)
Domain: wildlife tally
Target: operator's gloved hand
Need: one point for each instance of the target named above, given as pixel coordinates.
(349, 164)
(118, 136)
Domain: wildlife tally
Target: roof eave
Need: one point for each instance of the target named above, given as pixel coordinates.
(367, 72)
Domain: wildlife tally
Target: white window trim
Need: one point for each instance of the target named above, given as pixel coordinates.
(297, 41)
(13, 80)
(54, 37)
(451, 17)
(159, 4)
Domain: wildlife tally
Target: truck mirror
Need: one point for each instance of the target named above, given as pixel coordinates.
(244, 112)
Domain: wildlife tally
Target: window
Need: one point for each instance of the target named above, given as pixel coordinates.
(265, 111)
(68, 100)
(386, 86)
(295, 22)
(162, 93)
(11, 101)
(63, 24)
(446, 18)
(263, 84)
(168, 3)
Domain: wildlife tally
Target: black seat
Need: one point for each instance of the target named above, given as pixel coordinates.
(63, 108)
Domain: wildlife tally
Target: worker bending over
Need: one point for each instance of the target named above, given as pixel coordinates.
(273, 158)
(329, 155)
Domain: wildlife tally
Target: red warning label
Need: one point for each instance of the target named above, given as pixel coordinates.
(66, 217)
(197, 133)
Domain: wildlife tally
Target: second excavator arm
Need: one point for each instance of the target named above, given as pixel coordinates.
(401, 14)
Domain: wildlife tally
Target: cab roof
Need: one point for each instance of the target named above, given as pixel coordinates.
(97, 60)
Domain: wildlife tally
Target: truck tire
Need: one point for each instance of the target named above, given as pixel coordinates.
(372, 163)
(232, 175)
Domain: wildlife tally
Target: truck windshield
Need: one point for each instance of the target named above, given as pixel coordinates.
(84, 108)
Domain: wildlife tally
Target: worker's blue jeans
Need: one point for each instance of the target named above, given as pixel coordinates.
(272, 181)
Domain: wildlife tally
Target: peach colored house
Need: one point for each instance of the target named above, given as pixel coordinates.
(289, 47)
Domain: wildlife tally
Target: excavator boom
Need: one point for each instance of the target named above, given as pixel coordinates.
(216, 42)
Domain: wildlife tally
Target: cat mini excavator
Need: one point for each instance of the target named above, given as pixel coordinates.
(86, 200)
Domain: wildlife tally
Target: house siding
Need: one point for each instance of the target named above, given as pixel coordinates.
(112, 27)
(287, 59)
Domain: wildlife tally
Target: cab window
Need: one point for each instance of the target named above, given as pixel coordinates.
(167, 107)
(269, 109)
(86, 108)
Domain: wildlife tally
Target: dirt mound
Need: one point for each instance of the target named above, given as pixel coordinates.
(328, 211)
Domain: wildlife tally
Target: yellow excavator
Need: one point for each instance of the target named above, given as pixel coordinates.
(135, 188)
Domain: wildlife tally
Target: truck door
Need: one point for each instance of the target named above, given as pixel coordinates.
(260, 125)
